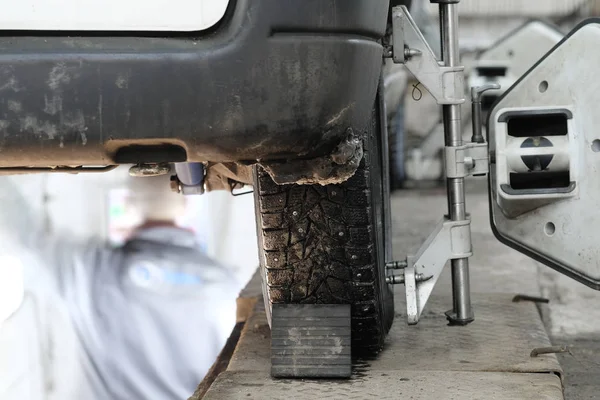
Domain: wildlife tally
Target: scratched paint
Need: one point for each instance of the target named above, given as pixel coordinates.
(30, 123)
(58, 76)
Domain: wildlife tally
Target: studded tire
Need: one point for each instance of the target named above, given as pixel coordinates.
(325, 244)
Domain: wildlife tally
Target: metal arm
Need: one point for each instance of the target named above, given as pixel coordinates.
(445, 82)
(476, 93)
(451, 240)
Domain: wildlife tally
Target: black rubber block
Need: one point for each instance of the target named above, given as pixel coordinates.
(311, 341)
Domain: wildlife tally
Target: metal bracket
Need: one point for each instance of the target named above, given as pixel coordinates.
(467, 160)
(446, 84)
(449, 241)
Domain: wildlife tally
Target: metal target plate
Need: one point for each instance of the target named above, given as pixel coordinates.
(554, 216)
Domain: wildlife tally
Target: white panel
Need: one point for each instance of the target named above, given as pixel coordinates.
(111, 15)
(21, 373)
(11, 285)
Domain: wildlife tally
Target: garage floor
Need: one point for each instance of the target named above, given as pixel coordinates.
(571, 318)
(488, 359)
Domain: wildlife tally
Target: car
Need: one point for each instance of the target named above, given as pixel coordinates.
(283, 95)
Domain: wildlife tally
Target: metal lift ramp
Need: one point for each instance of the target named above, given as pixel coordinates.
(488, 359)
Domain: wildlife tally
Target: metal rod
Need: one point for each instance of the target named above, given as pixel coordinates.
(477, 123)
(461, 290)
(476, 112)
(549, 350)
(536, 299)
(396, 265)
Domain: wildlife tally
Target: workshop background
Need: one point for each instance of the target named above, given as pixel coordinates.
(92, 205)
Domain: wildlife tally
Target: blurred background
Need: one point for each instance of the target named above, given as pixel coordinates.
(40, 354)
(96, 206)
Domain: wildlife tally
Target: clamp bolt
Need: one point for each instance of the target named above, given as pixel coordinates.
(395, 280)
(396, 265)
(410, 53)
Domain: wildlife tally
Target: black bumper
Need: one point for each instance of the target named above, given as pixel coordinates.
(275, 79)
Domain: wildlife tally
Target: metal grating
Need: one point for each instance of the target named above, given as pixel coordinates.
(394, 385)
(489, 359)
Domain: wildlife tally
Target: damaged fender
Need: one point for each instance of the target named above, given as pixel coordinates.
(335, 168)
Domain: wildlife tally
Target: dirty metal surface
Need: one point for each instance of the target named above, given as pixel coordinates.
(500, 339)
(248, 297)
(253, 351)
(415, 385)
(489, 359)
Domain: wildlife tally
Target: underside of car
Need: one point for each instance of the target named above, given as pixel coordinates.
(271, 82)
(281, 95)
(288, 96)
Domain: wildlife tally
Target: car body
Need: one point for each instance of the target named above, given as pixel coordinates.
(285, 95)
(271, 80)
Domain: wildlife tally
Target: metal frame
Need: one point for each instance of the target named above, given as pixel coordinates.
(451, 239)
(445, 81)
(555, 243)
(468, 159)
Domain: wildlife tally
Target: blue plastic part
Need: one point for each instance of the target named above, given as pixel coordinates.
(190, 174)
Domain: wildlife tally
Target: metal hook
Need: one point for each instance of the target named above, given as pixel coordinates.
(476, 93)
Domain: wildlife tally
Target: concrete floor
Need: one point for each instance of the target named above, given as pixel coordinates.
(573, 314)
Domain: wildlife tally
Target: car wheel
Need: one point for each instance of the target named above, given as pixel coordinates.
(325, 244)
